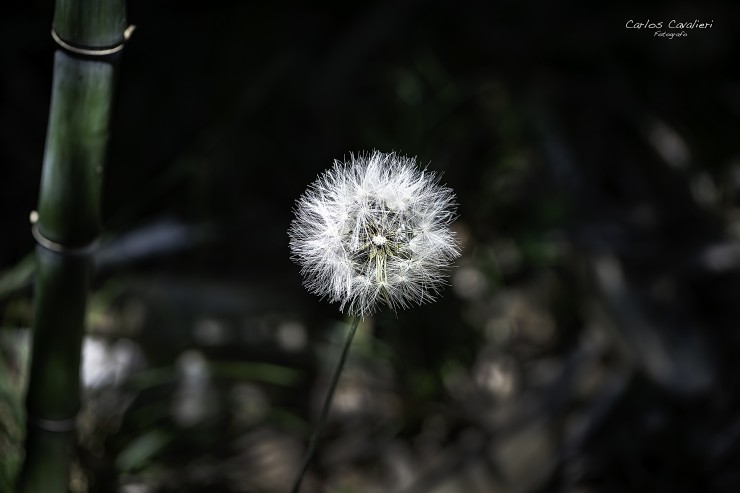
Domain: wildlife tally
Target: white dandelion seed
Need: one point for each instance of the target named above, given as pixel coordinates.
(373, 231)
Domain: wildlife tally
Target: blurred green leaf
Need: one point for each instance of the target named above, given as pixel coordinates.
(142, 449)
(260, 372)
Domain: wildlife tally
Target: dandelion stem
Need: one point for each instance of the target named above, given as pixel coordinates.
(313, 441)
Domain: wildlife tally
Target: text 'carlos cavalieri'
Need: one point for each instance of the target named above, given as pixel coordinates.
(675, 28)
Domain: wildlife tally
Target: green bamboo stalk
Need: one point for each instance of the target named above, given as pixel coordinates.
(66, 228)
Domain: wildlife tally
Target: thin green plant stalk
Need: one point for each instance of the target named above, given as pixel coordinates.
(90, 34)
(313, 441)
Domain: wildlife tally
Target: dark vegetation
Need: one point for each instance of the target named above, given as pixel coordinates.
(588, 341)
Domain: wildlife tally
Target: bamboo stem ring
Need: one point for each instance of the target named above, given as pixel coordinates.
(55, 425)
(93, 51)
(58, 247)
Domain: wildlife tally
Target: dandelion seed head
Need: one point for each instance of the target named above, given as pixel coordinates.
(374, 231)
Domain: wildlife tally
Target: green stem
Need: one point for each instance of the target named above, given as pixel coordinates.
(313, 441)
(66, 228)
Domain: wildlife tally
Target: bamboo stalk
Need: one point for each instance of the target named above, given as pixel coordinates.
(68, 224)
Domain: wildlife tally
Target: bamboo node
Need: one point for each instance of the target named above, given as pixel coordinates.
(58, 247)
(55, 425)
(94, 52)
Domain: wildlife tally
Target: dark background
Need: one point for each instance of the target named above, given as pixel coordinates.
(588, 340)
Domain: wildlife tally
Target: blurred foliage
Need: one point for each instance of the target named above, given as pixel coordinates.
(588, 341)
